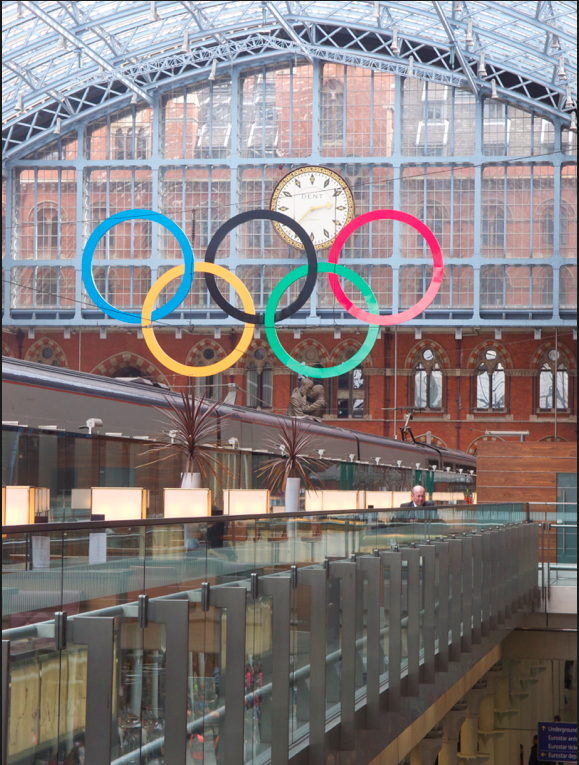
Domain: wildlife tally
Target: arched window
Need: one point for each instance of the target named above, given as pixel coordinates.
(259, 381)
(553, 382)
(119, 144)
(490, 381)
(212, 385)
(332, 110)
(493, 227)
(46, 287)
(428, 381)
(349, 391)
(142, 143)
(47, 233)
(548, 229)
(434, 219)
(129, 143)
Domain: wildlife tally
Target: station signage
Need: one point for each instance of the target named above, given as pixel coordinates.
(557, 742)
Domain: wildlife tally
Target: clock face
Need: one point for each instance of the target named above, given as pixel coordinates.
(319, 200)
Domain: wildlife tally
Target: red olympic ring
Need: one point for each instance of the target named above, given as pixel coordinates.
(429, 295)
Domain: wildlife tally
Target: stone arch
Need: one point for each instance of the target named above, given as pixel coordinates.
(196, 356)
(485, 345)
(566, 355)
(416, 352)
(47, 351)
(303, 345)
(254, 352)
(108, 367)
(342, 348)
(6, 351)
(473, 446)
(435, 440)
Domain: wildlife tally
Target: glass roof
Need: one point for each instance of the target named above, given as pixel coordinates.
(62, 59)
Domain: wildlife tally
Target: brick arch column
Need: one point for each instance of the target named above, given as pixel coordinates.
(109, 366)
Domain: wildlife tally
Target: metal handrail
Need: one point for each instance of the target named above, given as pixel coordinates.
(95, 525)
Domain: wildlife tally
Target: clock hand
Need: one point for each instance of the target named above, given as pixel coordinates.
(319, 207)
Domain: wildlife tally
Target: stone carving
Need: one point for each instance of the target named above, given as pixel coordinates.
(307, 400)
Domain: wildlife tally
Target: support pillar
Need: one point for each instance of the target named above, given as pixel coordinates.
(487, 731)
(426, 752)
(469, 743)
(451, 726)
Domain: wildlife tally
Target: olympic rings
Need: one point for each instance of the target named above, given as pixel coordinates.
(269, 318)
(100, 231)
(149, 333)
(425, 300)
(284, 356)
(312, 269)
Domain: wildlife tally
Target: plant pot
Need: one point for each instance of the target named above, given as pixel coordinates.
(292, 495)
(191, 481)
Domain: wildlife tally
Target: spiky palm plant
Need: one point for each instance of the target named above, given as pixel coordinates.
(295, 461)
(194, 431)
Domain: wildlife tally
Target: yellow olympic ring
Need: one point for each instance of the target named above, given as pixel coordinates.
(149, 332)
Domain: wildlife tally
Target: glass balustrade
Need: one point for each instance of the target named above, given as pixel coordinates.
(253, 590)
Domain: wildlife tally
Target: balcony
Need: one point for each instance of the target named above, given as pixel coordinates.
(273, 638)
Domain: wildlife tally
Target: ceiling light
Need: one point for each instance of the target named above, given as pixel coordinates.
(555, 43)
(58, 126)
(569, 99)
(573, 125)
(20, 102)
(63, 43)
(186, 43)
(213, 70)
(494, 89)
(395, 46)
(410, 71)
(377, 12)
(482, 70)
(134, 99)
(562, 74)
(469, 41)
(154, 15)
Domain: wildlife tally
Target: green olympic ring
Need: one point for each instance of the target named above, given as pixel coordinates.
(283, 355)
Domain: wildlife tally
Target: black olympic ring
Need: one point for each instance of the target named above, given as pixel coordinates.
(311, 278)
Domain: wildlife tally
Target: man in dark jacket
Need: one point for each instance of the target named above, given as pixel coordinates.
(533, 759)
(419, 501)
(418, 494)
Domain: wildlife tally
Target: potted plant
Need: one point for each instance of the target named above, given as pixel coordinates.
(194, 430)
(294, 464)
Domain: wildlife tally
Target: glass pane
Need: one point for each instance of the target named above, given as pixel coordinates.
(562, 389)
(483, 389)
(267, 385)
(498, 383)
(546, 389)
(436, 389)
(420, 389)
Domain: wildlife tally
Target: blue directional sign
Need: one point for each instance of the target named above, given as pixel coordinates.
(557, 742)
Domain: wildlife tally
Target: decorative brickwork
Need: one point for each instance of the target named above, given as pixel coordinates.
(482, 348)
(46, 351)
(417, 351)
(6, 350)
(113, 364)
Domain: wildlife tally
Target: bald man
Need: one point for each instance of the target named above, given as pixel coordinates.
(418, 494)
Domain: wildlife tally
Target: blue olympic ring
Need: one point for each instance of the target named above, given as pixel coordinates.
(98, 233)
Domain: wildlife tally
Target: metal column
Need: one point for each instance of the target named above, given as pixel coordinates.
(345, 571)
(317, 580)
(428, 670)
(411, 686)
(278, 588)
(393, 605)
